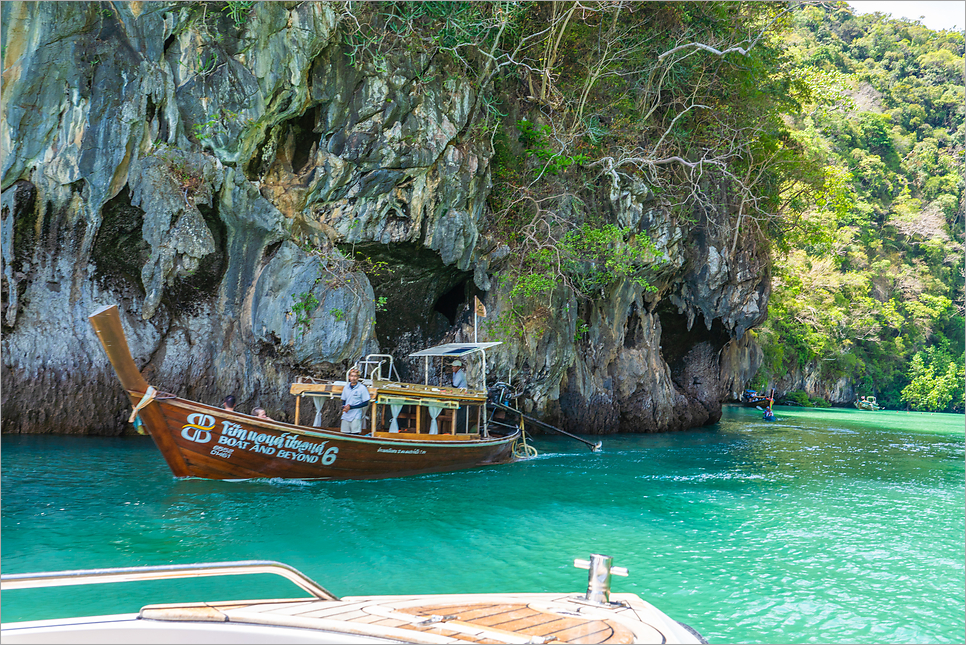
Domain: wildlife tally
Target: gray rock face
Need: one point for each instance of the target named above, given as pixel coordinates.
(218, 181)
(168, 187)
(336, 327)
(810, 380)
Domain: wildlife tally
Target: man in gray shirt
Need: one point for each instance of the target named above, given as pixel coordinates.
(355, 398)
(459, 374)
(459, 380)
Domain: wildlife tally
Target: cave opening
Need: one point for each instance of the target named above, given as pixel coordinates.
(419, 298)
(677, 340)
(295, 137)
(449, 303)
(119, 250)
(302, 131)
(634, 333)
(190, 291)
(156, 121)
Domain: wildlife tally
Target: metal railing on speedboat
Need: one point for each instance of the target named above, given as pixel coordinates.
(164, 572)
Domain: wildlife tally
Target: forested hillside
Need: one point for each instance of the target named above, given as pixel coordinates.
(868, 288)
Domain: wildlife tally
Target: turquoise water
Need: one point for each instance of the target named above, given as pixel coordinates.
(826, 527)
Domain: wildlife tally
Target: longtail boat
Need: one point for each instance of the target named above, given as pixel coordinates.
(414, 428)
(752, 399)
(867, 403)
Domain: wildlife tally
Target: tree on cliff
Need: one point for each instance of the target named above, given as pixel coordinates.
(935, 380)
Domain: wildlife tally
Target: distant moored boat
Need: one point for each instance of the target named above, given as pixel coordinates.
(868, 404)
(751, 399)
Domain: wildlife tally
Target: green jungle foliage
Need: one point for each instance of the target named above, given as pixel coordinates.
(678, 99)
(801, 399)
(839, 139)
(870, 286)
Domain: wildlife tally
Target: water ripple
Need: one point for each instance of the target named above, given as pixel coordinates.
(823, 528)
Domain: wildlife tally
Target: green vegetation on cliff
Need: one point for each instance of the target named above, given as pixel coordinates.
(870, 288)
(835, 140)
(682, 102)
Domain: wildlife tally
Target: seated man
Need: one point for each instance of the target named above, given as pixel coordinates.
(459, 380)
(459, 374)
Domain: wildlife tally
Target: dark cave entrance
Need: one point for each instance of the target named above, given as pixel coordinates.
(419, 298)
(677, 340)
(304, 137)
(189, 291)
(295, 137)
(450, 303)
(119, 250)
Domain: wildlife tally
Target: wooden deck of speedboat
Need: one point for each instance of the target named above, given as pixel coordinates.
(481, 618)
(324, 618)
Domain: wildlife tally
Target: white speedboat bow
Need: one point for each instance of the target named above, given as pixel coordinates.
(595, 617)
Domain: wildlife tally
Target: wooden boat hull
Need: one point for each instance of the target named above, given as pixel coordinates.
(199, 440)
(217, 444)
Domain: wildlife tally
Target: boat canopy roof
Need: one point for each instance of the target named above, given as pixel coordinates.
(454, 349)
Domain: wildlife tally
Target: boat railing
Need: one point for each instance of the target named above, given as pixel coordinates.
(163, 572)
(372, 368)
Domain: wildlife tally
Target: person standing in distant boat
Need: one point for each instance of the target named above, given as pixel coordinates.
(459, 374)
(355, 397)
(229, 403)
(769, 415)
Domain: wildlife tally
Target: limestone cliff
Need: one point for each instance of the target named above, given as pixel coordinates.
(212, 178)
(811, 381)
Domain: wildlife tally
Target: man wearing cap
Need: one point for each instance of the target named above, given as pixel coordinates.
(355, 397)
(459, 374)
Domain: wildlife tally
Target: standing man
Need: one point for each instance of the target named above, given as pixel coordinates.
(229, 403)
(355, 397)
(459, 374)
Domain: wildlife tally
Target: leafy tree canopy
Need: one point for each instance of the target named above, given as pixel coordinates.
(871, 285)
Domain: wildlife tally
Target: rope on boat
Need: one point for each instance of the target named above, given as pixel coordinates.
(499, 396)
(147, 398)
(521, 449)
